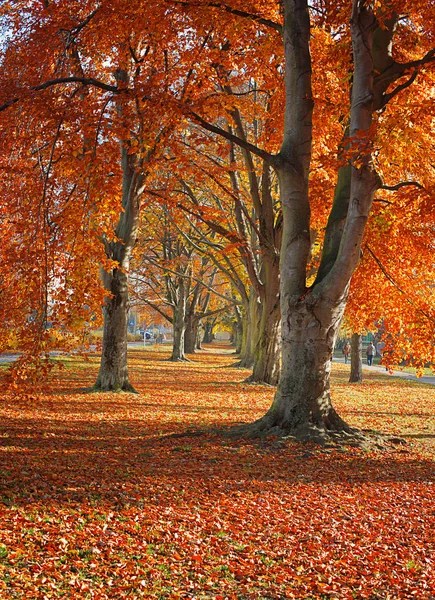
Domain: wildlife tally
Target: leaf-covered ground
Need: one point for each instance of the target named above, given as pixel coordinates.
(102, 496)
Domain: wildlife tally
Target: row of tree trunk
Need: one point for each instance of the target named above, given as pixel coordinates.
(311, 315)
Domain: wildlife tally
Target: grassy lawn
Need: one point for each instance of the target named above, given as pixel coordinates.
(377, 361)
(110, 496)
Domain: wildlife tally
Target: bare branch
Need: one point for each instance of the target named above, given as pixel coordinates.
(52, 82)
(399, 88)
(402, 184)
(239, 13)
(178, 274)
(232, 138)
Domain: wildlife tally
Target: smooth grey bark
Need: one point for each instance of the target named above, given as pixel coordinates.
(355, 358)
(311, 316)
(250, 331)
(198, 345)
(238, 331)
(385, 72)
(113, 372)
(336, 221)
(267, 354)
(244, 336)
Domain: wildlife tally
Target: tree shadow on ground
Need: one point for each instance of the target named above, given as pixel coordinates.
(117, 449)
(381, 413)
(419, 436)
(60, 462)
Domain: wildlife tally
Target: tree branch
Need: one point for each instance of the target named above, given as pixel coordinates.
(387, 97)
(231, 137)
(184, 276)
(402, 184)
(396, 70)
(75, 30)
(154, 307)
(239, 13)
(52, 82)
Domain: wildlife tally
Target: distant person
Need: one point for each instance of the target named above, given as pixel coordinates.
(371, 351)
(346, 352)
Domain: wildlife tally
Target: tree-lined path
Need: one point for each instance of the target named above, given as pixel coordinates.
(428, 379)
(260, 168)
(134, 496)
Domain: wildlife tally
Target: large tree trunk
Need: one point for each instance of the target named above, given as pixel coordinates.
(238, 332)
(302, 405)
(113, 374)
(244, 338)
(267, 356)
(356, 358)
(198, 345)
(311, 316)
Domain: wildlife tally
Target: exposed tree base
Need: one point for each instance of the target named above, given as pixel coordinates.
(179, 359)
(241, 365)
(322, 435)
(253, 381)
(309, 432)
(126, 388)
(278, 438)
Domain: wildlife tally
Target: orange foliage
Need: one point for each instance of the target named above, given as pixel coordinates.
(60, 169)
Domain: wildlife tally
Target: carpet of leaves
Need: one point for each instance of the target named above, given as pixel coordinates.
(106, 497)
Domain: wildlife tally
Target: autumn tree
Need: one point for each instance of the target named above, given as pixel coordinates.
(50, 286)
(238, 204)
(312, 314)
(115, 75)
(397, 299)
(349, 71)
(172, 278)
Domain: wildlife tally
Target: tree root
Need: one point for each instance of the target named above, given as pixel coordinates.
(323, 436)
(241, 365)
(278, 437)
(180, 360)
(126, 388)
(253, 381)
